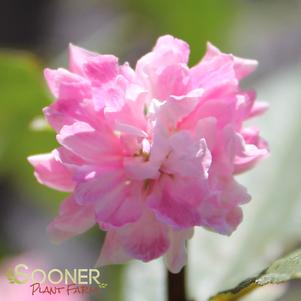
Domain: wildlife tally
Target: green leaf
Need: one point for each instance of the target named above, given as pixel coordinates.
(281, 270)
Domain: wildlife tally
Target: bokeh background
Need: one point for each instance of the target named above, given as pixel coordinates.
(35, 34)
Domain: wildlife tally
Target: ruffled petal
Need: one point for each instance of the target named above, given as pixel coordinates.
(121, 206)
(174, 80)
(51, 172)
(250, 150)
(78, 57)
(73, 219)
(139, 169)
(66, 85)
(172, 111)
(90, 144)
(220, 210)
(214, 70)
(175, 201)
(101, 69)
(147, 239)
(167, 53)
(187, 157)
(95, 185)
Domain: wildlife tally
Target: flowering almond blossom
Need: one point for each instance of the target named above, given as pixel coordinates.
(149, 153)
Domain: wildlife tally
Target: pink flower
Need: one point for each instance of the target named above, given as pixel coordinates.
(150, 153)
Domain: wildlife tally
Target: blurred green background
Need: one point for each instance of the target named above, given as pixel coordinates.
(35, 34)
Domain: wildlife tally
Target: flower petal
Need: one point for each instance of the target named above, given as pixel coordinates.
(250, 150)
(146, 239)
(139, 169)
(187, 157)
(112, 251)
(66, 85)
(52, 173)
(176, 256)
(175, 201)
(73, 219)
(90, 144)
(95, 185)
(78, 57)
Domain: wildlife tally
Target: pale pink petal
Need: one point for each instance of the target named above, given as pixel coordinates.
(172, 111)
(92, 188)
(220, 211)
(223, 108)
(176, 256)
(244, 67)
(73, 219)
(207, 129)
(66, 112)
(147, 239)
(175, 201)
(66, 85)
(68, 158)
(168, 51)
(112, 251)
(138, 169)
(173, 80)
(122, 206)
(160, 146)
(178, 49)
(214, 70)
(78, 57)
(52, 173)
(225, 221)
(101, 69)
(250, 150)
(259, 108)
(130, 130)
(90, 144)
(187, 157)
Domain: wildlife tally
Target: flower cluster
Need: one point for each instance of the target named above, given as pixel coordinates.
(149, 153)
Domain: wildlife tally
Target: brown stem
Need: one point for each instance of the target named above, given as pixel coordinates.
(176, 286)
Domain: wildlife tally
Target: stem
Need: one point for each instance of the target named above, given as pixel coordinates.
(176, 286)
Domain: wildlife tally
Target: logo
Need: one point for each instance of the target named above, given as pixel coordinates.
(56, 281)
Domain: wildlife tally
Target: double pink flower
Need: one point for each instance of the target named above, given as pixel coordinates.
(149, 153)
